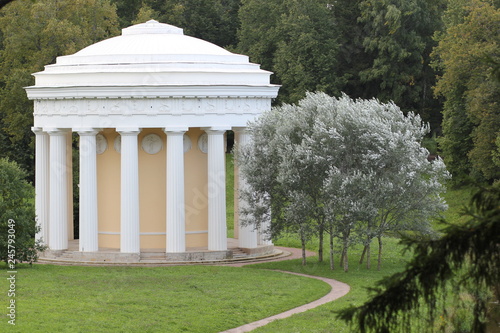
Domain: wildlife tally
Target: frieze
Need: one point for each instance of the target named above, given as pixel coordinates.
(151, 106)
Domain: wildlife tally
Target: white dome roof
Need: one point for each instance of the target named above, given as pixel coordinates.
(152, 54)
(151, 42)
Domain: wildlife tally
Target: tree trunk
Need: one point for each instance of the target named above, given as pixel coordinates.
(303, 241)
(332, 266)
(320, 249)
(345, 261)
(379, 252)
(362, 255)
(368, 256)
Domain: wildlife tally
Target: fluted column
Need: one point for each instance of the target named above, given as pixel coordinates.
(129, 225)
(88, 191)
(42, 179)
(217, 229)
(58, 188)
(264, 237)
(247, 235)
(176, 226)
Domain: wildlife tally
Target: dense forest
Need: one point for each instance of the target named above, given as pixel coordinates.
(437, 58)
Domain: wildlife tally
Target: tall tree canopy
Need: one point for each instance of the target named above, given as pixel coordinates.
(398, 41)
(33, 34)
(213, 20)
(467, 52)
(363, 48)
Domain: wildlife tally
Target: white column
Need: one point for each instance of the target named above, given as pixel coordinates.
(88, 191)
(176, 226)
(58, 188)
(69, 183)
(130, 229)
(217, 229)
(247, 234)
(42, 178)
(263, 238)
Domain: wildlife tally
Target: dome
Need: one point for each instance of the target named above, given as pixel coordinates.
(153, 54)
(151, 42)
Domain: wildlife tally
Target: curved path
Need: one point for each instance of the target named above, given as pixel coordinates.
(338, 290)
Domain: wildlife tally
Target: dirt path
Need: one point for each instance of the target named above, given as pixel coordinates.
(338, 290)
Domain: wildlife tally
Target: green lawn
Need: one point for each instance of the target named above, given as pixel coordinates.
(194, 298)
(150, 299)
(322, 319)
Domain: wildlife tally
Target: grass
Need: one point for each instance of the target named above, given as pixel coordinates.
(196, 298)
(150, 299)
(323, 318)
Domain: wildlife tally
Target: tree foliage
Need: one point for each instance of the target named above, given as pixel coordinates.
(353, 168)
(33, 34)
(398, 41)
(213, 20)
(364, 48)
(467, 257)
(17, 209)
(467, 52)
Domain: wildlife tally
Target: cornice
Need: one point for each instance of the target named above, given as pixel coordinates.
(142, 91)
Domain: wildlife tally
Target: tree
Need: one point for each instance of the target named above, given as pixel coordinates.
(4, 2)
(312, 164)
(17, 215)
(467, 52)
(398, 40)
(307, 50)
(213, 20)
(297, 40)
(465, 260)
(33, 34)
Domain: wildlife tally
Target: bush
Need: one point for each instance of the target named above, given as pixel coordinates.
(17, 215)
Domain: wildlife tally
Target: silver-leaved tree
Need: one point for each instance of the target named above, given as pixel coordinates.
(353, 169)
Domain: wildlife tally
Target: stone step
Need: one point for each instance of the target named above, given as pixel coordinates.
(152, 256)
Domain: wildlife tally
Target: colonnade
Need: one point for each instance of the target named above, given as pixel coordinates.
(52, 190)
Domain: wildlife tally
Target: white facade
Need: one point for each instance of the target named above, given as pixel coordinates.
(152, 76)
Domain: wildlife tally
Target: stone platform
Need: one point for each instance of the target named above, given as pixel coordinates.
(156, 257)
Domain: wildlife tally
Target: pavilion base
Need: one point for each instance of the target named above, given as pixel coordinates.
(157, 257)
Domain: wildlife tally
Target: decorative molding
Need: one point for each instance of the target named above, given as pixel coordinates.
(187, 143)
(238, 91)
(151, 106)
(152, 144)
(117, 144)
(153, 233)
(203, 143)
(101, 144)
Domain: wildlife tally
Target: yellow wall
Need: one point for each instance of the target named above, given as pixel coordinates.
(196, 191)
(108, 192)
(152, 193)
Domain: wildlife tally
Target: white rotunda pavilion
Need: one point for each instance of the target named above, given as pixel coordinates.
(151, 108)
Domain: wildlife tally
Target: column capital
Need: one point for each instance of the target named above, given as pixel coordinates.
(56, 131)
(87, 130)
(175, 130)
(37, 130)
(242, 129)
(128, 130)
(216, 129)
